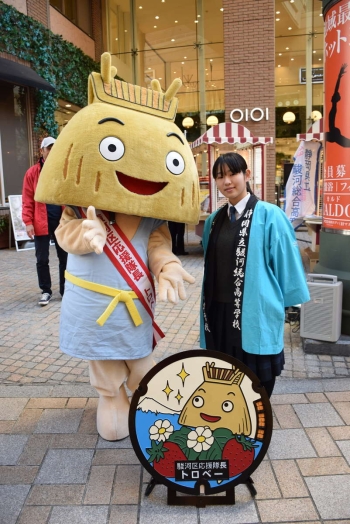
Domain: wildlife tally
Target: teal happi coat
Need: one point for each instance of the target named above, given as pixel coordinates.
(274, 279)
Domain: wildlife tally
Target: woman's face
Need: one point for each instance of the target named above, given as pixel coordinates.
(232, 186)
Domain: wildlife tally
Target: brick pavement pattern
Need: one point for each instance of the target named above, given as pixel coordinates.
(54, 468)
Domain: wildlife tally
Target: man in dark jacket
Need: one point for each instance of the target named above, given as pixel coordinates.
(41, 220)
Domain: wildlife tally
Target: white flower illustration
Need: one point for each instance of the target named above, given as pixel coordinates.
(200, 439)
(161, 430)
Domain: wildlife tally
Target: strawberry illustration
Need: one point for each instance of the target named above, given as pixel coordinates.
(163, 455)
(239, 451)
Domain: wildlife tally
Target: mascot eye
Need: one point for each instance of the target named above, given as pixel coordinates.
(198, 402)
(175, 163)
(111, 148)
(227, 406)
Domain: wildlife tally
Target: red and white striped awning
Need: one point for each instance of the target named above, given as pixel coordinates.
(314, 133)
(229, 133)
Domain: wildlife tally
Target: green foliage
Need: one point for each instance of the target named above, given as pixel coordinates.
(4, 223)
(59, 62)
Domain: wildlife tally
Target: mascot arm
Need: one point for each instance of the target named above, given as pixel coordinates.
(159, 250)
(167, 267)
(79, 236)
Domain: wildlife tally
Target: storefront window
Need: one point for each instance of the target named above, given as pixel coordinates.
(78, 12)
(168, 40)
(298, 75)
(64, 113)
(14, 149)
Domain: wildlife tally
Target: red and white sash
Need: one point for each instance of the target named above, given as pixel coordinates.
(132, 268)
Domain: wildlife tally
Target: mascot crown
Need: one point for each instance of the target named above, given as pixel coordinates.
(105, 88)
(222, 375)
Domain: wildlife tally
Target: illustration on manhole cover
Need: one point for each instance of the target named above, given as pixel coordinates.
(199, 419)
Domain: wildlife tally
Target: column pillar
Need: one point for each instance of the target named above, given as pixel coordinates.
(249, 58)
(335, 234)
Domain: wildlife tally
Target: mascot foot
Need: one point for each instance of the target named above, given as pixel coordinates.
(112, 418)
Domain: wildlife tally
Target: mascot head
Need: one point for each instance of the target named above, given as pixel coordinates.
(218, 402)
(124, 153)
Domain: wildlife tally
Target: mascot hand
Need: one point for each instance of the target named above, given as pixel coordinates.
(95, 234)
(171, 282)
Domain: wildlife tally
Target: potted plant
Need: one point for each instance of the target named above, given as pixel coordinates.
(4, 231)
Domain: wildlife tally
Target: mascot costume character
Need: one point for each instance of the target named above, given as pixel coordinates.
(122, 168)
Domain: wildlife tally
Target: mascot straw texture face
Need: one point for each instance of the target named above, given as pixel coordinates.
(123, 153)
(218, 402)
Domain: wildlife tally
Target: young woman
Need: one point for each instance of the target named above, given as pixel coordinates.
(253, 270)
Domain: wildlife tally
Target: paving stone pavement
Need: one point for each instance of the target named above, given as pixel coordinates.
(55, 469)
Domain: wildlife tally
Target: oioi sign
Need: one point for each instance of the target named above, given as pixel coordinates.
(256, 114)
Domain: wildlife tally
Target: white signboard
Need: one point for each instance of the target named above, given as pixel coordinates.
(301, 185)
(22, 240)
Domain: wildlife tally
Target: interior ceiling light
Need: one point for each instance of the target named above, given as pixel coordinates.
(212, 120)
(314, 51)
(196, 21)
(287, 48)
(278, 65)
(316, 115)
(176, 22)
(292, 58)
(279, 54)
(68, 105)
(173, 39)
(155, 27)
(185, 57)
(288, 117)
(156, 17)
(211, 60)
(221, 8)
(140, 6)
(278, 19)
(278, 12)
(182, 63)
(290, 28)
(116, 38)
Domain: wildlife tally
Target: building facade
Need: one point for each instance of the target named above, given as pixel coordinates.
(246, 61)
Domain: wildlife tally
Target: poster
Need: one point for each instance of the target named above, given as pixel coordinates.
(336, 203)
(19, 228)
(301, 184)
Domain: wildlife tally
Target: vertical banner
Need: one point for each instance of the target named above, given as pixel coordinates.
(301, 185)
(336, 204)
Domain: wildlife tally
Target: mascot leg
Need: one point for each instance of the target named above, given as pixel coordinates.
(107, 377)
(137, 370)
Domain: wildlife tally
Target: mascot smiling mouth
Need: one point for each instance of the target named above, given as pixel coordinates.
(138, 186)
(209, 418)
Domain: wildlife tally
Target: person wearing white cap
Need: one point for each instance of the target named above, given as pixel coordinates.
(41, 221)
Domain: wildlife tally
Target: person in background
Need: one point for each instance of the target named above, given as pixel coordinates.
(177, 231)
(41, 220)
(253, 270)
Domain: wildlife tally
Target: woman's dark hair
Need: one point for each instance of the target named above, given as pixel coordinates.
(235, 162)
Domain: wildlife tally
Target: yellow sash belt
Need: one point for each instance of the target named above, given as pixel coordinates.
(118, 294)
